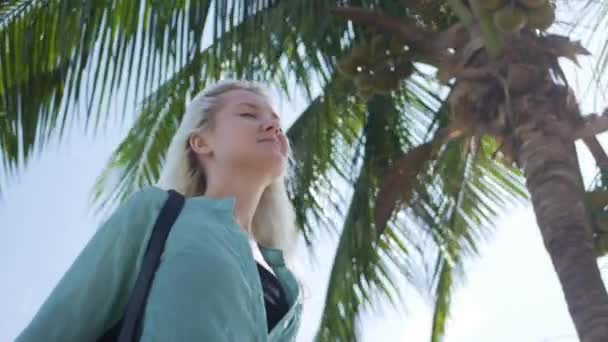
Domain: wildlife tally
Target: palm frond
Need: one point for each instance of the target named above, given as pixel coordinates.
(361, 265)
(53, 52)
(322, 137)
(474, 186)
(147, 139)
(9, 10)
(452, 201)
(369, 257)
(101, 47)
(590, 22)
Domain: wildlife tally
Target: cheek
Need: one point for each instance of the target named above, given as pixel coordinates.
(234, 140)
(238, 129)
(237, 147)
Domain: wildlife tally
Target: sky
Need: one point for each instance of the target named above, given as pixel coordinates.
(511, 292)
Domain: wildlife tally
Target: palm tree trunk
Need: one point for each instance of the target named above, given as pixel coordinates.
(553, 179)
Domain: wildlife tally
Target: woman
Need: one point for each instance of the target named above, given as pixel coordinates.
(222, 275)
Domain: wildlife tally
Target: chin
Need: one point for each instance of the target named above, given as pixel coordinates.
(272, 164)
(276, 166)
(279, 168)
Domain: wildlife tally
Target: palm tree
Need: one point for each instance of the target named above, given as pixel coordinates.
(504, 66)
(427, 184)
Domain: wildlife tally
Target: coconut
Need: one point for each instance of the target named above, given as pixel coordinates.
(510, 19)
(491, 5)
(541, 18)
(533, 3)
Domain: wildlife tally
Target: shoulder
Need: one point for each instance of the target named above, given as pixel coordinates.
(147, 196)
(134, 216)
(142, 203)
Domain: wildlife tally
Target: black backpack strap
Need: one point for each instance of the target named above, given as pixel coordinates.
(131, 326)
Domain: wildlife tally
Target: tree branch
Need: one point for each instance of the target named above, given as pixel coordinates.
(593, 125)
(399, 181)
(598, 153)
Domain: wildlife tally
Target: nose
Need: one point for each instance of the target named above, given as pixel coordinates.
(273, 125)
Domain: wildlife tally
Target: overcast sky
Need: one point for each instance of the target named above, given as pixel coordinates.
(511, 292)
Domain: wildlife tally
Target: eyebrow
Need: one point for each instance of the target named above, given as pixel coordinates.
(254, 106)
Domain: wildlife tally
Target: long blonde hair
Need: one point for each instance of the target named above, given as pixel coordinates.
(274, 219)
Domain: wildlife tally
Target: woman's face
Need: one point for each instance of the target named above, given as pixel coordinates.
(245, 133)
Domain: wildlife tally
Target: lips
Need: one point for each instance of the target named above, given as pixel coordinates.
(276, 144)
(274, 140)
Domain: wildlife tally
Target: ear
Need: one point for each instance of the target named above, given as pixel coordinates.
(200, 144)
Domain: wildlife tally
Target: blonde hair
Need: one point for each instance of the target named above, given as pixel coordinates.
(274, 219)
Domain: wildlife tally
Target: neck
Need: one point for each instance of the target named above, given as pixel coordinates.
(244, 189)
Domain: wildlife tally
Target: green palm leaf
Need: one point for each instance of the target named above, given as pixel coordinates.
(590, 22)
(455, 215)
(97, 48)
(469, 182)
(358, 265)
(53, 50)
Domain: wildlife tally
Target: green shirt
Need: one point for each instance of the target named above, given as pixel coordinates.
(207, 286)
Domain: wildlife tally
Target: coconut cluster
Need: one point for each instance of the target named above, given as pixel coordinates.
(377, 65)
(510, 16)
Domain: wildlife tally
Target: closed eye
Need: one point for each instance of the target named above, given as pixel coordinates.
(251, 115)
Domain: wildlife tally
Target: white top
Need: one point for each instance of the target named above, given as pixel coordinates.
(257, 255)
